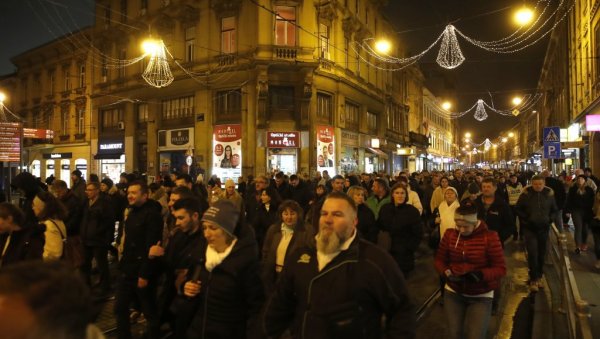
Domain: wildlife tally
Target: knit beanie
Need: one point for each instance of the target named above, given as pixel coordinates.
(108, 182)
(224, 214)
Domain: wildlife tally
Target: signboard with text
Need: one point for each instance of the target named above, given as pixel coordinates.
(283, 139)
(10, 141)
(227, 152)
(36, 133)
(326, 149)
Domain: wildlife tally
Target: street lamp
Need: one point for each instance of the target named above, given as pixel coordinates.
(511, 135)
(2, 98)
(504, 140)
(446, 105)
(383, 46)
(517, 101)
(467, 135)
(523, 16)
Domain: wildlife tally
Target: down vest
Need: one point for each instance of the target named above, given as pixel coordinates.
(480, 251)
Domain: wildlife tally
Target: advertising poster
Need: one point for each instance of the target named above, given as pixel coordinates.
(326, 149)
(227, 152)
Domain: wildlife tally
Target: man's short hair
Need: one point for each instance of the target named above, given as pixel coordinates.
(338, 177)
(9, 210)
(489, 180)
(537, 177)
(57, 296)
(186, 177)
(343, 196)
(143, 186)
(59, 184)
(183, 192)
(293, 177)
(190, 205)
(383, 183)
(93, 183)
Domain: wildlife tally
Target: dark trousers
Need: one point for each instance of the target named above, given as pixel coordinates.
(100, 253)
(126, 293)
(595, 228)
(536, 243)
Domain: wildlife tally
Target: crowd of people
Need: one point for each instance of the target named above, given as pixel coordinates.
(272, 256)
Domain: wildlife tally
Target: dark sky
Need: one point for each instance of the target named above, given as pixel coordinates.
(504, 75)
(29, 23)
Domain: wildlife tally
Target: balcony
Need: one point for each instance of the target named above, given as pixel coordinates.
(226, 59)
(286, 52)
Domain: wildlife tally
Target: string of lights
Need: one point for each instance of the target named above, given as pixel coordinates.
(527, 102)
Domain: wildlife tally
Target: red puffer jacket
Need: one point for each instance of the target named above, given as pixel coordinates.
(480, 251)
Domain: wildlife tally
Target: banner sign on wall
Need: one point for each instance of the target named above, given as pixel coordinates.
(326, 149)
(227, 152)
(283, 139)
(10, 141)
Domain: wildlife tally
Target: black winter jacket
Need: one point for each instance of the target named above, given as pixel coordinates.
(25, 244)
(346, 299)
(536, 210)
(367, 225)
(74, 207)
(498, 217)
(403, 222)
(143, 228)
(560, 195)
(231, 296)
(97, 223)
(583, 202)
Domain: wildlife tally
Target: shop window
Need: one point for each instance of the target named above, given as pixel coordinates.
(190, 42)
(285, 26)
(228, 104)
(178, 108)
(36, 168)
(65, 171)
(49, 168)
(324, 106)
(351, 115)
(112, 168)
(228, 35)
(81, 164)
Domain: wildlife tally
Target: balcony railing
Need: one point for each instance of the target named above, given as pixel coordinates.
(286, 52)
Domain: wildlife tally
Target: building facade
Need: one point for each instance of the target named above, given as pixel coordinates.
(439, 128)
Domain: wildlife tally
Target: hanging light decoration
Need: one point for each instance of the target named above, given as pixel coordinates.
(450, 56)
(528, 102)
(158, 73)
(480, 113)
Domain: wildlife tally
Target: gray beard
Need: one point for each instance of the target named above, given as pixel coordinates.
(329, 244)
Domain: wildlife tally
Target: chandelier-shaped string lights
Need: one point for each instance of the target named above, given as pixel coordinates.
(450, 55)
(481, 107)
(157, 73)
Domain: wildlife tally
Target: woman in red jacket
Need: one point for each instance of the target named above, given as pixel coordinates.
(471, 258)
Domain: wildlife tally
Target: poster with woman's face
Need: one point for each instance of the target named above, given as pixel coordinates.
(227, 151)
(326, 149)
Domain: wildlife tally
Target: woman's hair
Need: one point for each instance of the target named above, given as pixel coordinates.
(356, 189)
(230, 152)
(291, 205)
(53, 208)
(272, 192)
(399, 185)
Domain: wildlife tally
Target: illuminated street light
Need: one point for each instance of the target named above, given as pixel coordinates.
(504, 140)
(511, 135)
(517, 101)
(383, 46)
(2, 97)
(467, 135)
(446, 105)
(150, 46)
(523, 16)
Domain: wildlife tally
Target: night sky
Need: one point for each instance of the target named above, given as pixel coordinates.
(28, 23)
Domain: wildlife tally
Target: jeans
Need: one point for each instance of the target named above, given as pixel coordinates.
(127, 291)
(536, 243)
(468, 317)
(581, 231)
(100, 253)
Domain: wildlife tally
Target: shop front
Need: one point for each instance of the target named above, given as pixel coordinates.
(111, 155)
(174, 148)
(350, 153)
(282, 151)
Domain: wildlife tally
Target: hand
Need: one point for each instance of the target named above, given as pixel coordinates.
(474, 276)
(191, 288)
(438, 220)
(156, 251)
(142, 283)
(452, 277)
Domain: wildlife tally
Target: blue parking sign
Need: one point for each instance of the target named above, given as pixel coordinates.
(552, 150)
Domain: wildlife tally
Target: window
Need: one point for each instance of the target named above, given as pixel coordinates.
(285, 26)
(81, 76)
(228, 102)
(357, 7)
(178, 108)
(324, 106)
(228, 35)
(395, 118)
(65, 121)
(346, 51)
(281, 98)
(67, 77)
(351, 111)
(52, 80)
(357, 61)
(111, 118)
(104, 70)
(80, 121)
(143, 6)
(122, 56)
(142, 113)
(324, 40)
(597, 56)
(190, 41)
(123, 10)
(106, 16)
(372, 122)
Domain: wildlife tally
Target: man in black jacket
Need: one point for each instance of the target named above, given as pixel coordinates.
(536, 209)
(143, 228)
(560, 196)
(300, 192)
(492, 209)
(367, 281)
(459, 182)
(72, 203)
(97, 232)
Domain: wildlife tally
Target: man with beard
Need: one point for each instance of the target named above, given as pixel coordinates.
(368, 285)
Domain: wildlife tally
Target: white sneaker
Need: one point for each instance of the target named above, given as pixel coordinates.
(597, 265)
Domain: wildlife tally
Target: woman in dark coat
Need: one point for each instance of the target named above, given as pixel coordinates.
(224, 285)
(289, 233)
(403, 222)
(367, 225)
(266, 213)
(580, 201)
(20, 241)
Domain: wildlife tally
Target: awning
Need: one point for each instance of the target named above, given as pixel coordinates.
(377, 152)
(108, 156)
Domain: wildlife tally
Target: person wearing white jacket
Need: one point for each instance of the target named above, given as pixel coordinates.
(51, 212)
(446, 210)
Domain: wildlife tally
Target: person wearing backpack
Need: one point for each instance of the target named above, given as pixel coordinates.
(51, 212)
